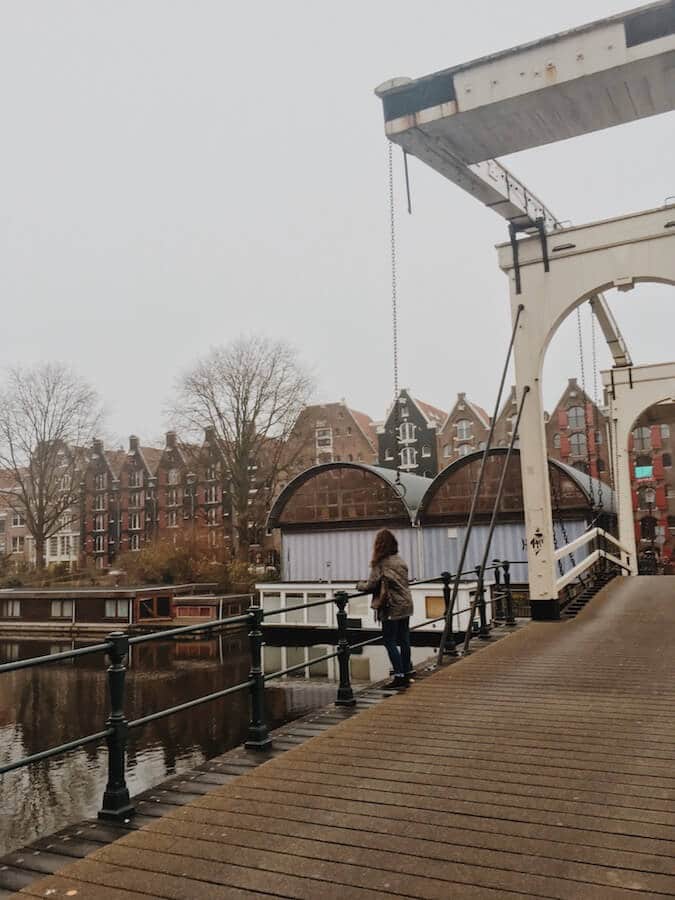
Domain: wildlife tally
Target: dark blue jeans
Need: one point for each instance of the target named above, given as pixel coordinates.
(396, 634)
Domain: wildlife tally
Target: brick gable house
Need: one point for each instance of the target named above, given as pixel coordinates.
(332, 432)
(577, 434)
(464, 430)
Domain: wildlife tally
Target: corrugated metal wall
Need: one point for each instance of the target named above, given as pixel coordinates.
(428, 551)
(305, 555)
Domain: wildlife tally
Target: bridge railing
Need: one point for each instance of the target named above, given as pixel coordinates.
(607, 549)
(117, 804)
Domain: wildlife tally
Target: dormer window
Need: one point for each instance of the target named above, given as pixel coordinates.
(172, 476)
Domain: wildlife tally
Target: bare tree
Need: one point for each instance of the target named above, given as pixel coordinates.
(48, 416)
(251, 392)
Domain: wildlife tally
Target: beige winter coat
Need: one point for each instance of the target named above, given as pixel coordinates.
(394, 569)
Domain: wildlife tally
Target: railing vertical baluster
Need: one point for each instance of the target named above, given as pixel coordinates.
(484, 632)
(499, 597)
(116, 802)
(449, 600)
(258, 734)
(345, 694)
(510, 618)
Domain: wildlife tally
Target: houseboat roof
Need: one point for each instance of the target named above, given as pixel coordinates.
(400, 500)
(68, 593)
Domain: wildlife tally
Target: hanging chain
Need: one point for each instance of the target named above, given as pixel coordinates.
(596, 403)
(557, 513)
(394, 308)
(582, 369)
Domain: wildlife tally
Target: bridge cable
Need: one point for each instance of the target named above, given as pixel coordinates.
(394, 313)
(478, 485)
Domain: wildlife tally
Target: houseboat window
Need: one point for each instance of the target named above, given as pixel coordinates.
(10, 609)
(117, 609)
(316, 615)
(271, 602)
(202, 612)
(271, 659)
(435, 607)
(62, 609)
(297, 616)
(295, 656)
(319, 669)
(163, 607)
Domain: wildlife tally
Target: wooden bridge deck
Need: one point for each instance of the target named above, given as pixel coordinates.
(541, 766)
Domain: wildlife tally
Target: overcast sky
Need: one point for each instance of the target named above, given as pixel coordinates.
(176, 172)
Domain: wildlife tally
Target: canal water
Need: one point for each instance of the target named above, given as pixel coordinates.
(49, 705)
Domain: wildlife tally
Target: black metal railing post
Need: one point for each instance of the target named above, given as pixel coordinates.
(510, 618)
(484, 632)
(449, 600)
(258, 734)
(116, 802)
(499, 596)
(345, 694)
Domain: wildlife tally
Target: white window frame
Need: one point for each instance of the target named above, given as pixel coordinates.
(464, 429)
(101, 481)
(408, 458)
(171, 519)
(406, 432)
(173, 476)
(135, 542)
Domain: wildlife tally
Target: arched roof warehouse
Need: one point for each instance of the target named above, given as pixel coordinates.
(344, 494)
(448, 497)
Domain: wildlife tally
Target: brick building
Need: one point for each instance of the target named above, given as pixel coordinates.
(464, 430)
(653, 480)
(576, 433)
(332, 432)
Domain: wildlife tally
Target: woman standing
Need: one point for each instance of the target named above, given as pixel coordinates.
(392, 603)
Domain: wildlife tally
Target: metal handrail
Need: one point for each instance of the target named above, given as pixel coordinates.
(116, 802)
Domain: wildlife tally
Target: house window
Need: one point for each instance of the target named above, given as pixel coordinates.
(213, 538)
(642, 439)
(388, 454)
(117, 609)
(598, 437)
(101, 481)
(556, 442)
(648, 528)
(136, 478)
(575, 417)
(212, 493)
(135, 542)
(464, 430)
(10, 609)
(601, 465)
(66, 545)
(136, 500)
(172, 497)
(100, 562)
(212, 516)
(644, 467)
(408, 458)
(426, 451)
(18, 544)
(171, 519)
(324, 437)
(53, 546)
(18, 521)
(99, 523)
(406, 432)
(578, 444)
(447, 451)
(212, 473)
(135, 521)
(61, 609)
(667, 461)
(172, 476)
(465, 449)
(665, 432)
(99, 543)
(99, 501)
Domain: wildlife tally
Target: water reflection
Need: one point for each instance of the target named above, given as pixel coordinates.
(49, 705)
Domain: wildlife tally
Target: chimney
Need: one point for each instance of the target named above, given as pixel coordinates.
(209, 434)
(572, 382)
(133, 443)
(461, 397)
(171, 439)
(97, 446)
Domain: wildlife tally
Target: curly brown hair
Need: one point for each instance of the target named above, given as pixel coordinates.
(385, 545)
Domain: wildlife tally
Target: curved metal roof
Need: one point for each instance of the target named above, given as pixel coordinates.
(410, 488)
(591, 487)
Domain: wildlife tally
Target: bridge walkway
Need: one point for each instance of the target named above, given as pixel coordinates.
(541, 766)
